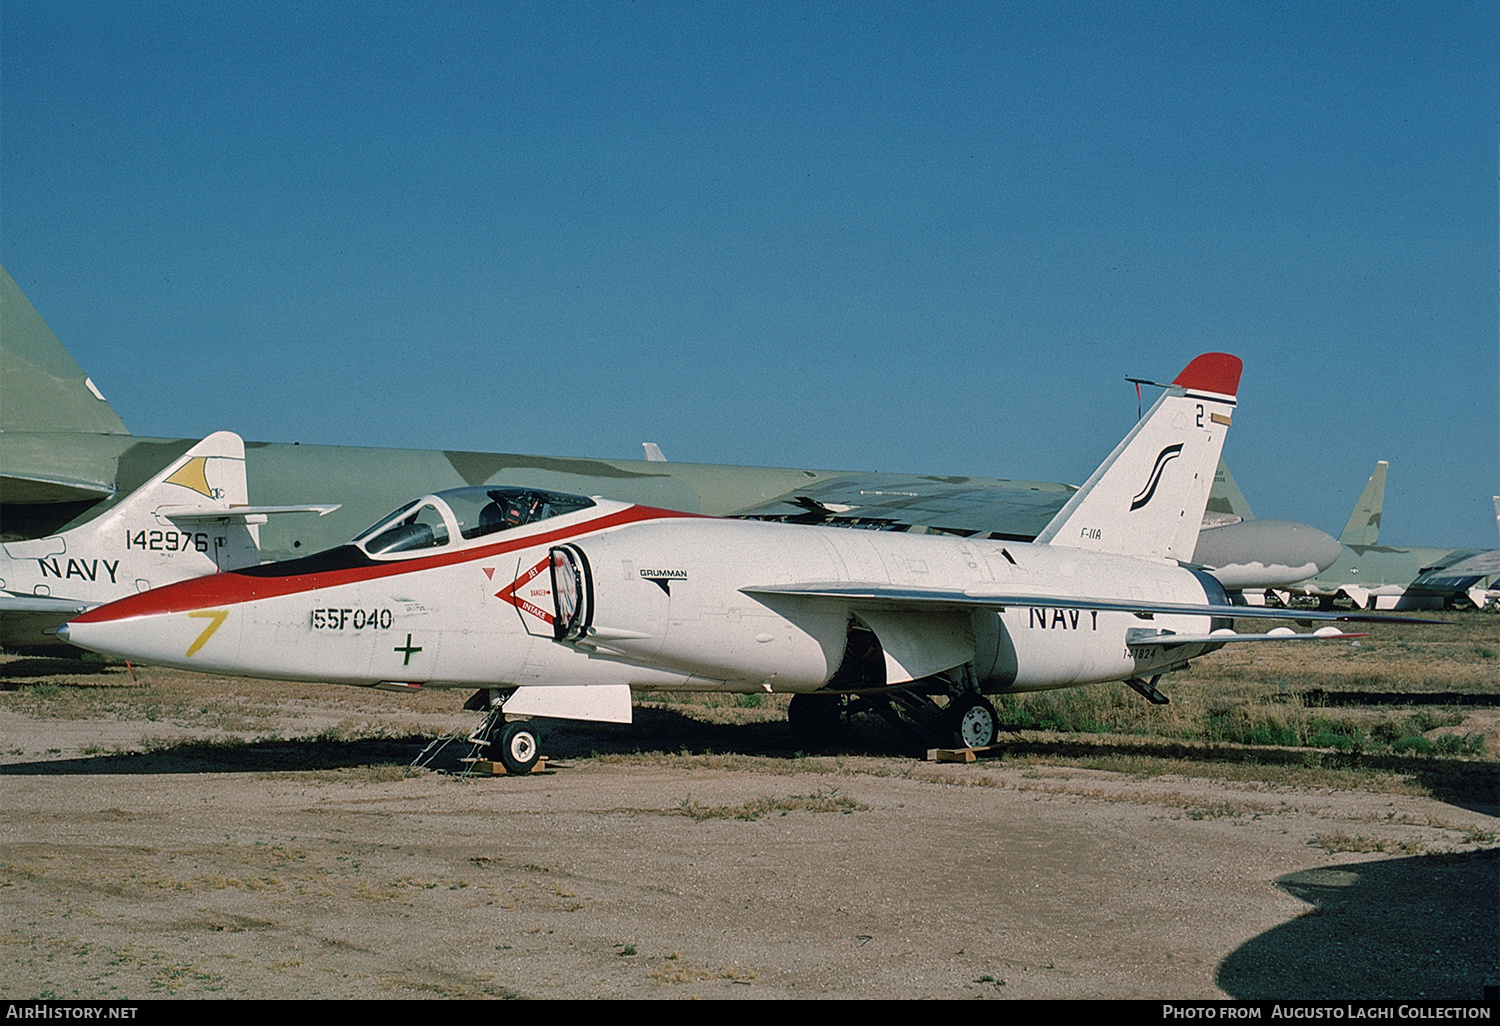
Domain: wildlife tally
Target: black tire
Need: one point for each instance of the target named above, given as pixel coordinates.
(971, 722)
(815, 717)
(517, 748)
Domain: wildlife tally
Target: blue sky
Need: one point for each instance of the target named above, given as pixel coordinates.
(910, 237)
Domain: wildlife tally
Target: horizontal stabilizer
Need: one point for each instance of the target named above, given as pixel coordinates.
(239, 512)
(1015, 510)
(24, 489)
(1484, 564)
(13, 603)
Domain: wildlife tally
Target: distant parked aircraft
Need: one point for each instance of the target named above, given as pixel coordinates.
(1376, 576)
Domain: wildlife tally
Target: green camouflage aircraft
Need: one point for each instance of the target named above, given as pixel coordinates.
(1375, 576)
(66, 459)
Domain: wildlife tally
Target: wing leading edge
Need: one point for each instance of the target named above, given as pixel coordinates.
(879, 596)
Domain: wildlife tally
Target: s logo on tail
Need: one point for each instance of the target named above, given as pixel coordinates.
(1168, 454)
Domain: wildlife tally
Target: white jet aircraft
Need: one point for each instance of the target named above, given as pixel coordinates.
(192, 518)
(559, 605)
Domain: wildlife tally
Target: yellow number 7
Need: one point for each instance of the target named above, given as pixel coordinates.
(215, 615)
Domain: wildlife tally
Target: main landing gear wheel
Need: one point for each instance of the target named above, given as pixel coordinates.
(516, 745)
(971, 722)
(815, 717)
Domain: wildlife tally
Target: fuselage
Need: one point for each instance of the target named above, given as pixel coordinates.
(649, 598)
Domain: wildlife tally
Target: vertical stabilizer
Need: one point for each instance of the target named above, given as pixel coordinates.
(41, 387)
(192, 518)
(1225, 497)
(1363, 527)
(1148, 499)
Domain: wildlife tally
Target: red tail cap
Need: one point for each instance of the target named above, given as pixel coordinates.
(1212, 372)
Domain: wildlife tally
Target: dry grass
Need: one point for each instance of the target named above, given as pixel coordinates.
(822, 801)
(1457, 656)
(1340, 841)
(1427, 690)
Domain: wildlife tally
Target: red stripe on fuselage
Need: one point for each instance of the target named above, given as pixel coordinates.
(229, 589)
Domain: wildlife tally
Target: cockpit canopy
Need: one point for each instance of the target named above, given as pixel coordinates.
(464, 513)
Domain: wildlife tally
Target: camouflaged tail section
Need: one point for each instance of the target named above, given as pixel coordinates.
(1225, 496)
(1363, 527)
(42, 388)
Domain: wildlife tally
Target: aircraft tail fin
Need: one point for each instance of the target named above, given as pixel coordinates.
(209, 475)
(190, 519)
(1148, 498)
(45, 389)
(1225, 497)
(194, 499)
(1363, 527)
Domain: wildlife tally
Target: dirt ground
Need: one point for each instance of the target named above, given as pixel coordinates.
(143, 855)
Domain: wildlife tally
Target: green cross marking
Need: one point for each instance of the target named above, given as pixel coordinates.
(406, 660)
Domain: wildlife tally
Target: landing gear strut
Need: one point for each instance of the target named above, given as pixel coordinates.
(513, 745)
(1147, 690)
(967, 721)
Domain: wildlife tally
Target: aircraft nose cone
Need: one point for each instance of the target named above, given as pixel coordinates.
(190, 624)
(62, 632)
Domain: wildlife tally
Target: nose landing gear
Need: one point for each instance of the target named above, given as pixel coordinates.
(513, 745)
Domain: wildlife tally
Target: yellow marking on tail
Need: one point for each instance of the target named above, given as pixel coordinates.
(191, 475)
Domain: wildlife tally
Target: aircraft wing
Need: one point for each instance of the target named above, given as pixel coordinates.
(878, 596)
(992, 507)
(10, 602)
(1013, 510)
(1483, 564)
(21, 487)
(1165, 639)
